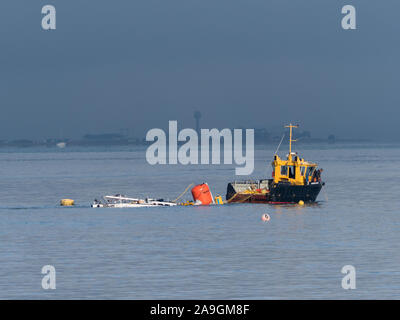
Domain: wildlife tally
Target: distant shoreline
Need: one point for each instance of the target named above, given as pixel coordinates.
(126, 142)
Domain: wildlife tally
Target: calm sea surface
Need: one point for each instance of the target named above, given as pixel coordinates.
(223, 252)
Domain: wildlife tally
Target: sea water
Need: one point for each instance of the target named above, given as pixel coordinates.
(216, 252)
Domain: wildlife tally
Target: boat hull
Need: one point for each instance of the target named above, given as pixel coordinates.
(278, 193)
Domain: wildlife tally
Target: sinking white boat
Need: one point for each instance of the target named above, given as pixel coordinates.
(120, 201)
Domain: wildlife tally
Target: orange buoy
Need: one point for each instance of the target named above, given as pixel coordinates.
(202, 194)
(265, 217)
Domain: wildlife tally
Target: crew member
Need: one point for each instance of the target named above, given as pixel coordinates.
(318, 174)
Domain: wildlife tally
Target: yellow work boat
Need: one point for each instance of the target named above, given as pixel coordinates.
(293, 180)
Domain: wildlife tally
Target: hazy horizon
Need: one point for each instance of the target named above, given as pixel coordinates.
(244, 64)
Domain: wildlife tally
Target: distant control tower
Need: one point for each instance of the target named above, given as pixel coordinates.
(197, 116)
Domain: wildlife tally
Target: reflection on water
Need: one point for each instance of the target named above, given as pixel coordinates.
(196, 252)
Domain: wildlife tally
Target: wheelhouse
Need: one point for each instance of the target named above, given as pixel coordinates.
(294, 170)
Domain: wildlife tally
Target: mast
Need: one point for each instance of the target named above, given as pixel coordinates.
(291, 126)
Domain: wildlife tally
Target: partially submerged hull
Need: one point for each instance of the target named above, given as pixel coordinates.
(265, 191)
(119, 201)
(132, 205)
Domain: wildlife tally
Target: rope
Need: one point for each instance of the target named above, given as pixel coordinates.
(181, 195)
(279, 144)
(325, 194)
(241, 201)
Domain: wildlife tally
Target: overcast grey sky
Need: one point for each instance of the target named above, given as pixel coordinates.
(243, 63)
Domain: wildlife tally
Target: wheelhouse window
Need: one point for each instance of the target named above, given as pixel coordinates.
(302, 170)
(292, 172)
(310, 171)
(284, 171)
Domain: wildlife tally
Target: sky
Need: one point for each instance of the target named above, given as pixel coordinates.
(136, 64)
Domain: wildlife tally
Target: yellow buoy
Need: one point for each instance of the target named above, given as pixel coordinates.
(67, 202)
(301, 202)
(218, 200)
(187, 203)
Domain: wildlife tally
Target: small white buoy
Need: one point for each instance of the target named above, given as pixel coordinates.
(265, 217)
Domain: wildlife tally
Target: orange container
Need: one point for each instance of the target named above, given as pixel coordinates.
(201, 193)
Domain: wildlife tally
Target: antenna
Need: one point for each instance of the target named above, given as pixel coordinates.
(291, 126)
